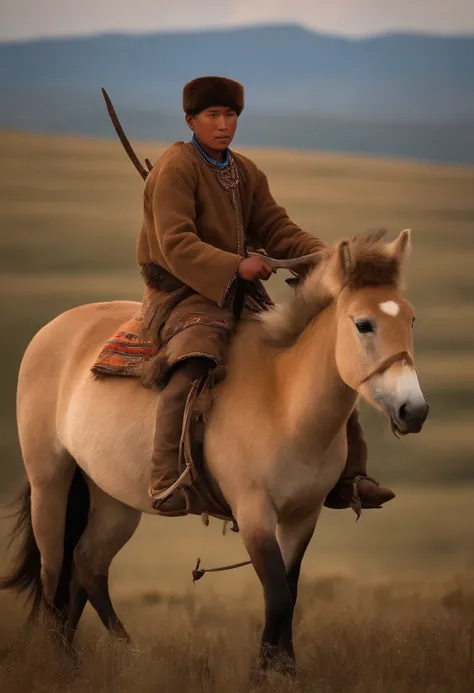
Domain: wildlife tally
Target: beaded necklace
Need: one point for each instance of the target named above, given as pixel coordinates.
(227, 174)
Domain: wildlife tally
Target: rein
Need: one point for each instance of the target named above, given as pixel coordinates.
(198, 572)
(403, 356)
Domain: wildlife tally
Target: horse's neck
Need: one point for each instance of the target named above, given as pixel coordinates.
(297, 394)
(317, 401)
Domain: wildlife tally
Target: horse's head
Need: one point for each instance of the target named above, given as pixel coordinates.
(374, 344)
(360, 279)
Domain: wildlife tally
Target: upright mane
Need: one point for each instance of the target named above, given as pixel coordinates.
(372, 261)
(368, 261)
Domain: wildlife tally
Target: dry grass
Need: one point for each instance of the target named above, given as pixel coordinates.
(386, 604)
(394, 638)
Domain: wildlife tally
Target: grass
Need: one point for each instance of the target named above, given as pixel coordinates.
(350, 638)
(387, 603)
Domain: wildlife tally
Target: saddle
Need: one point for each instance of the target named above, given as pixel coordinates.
(126, 354)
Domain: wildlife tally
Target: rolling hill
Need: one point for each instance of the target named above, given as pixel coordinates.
(409, 95)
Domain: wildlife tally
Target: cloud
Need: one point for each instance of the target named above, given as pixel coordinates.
(358, 17)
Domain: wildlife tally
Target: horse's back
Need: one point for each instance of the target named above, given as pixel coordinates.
(75, 335)
(62, 351)
(56, 359)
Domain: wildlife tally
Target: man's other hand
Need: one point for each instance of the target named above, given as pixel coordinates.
(253, 268)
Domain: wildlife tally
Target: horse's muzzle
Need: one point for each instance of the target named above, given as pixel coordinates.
(410, 417)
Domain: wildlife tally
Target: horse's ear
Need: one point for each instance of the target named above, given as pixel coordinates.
(345, 261)
(401, 246)
(339, 268)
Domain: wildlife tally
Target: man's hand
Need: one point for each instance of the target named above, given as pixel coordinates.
(253, 268)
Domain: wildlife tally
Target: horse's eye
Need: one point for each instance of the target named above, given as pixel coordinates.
(365, 326)
(413, 322)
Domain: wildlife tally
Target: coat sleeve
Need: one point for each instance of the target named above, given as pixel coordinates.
(206, 269)
(273, 228)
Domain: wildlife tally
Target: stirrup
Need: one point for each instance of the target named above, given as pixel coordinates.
(157, 504)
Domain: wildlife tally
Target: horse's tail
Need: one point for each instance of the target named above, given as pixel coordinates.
(26, 574)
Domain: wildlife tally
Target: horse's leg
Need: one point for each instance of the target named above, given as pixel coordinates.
(50, 483)
(257, 523)
(77, 602)
(293, 539)
(110, 526)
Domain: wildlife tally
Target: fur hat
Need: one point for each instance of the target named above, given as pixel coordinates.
(203, 92)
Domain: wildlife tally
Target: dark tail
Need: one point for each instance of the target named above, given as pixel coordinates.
(26, 575)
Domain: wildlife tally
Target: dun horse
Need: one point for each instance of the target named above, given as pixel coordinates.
(275, 441)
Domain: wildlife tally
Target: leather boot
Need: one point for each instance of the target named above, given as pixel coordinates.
(355, 489)
(168, 427)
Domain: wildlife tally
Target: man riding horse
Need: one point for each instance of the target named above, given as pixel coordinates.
(205, 206)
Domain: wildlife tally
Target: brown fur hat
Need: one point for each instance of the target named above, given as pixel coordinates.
(204, 92)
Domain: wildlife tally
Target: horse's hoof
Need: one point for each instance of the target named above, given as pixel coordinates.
(285, 666)
(280, 664)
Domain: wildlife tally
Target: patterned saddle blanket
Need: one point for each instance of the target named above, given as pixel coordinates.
(125, 353)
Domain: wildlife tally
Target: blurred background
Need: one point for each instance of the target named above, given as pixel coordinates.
(361, 113)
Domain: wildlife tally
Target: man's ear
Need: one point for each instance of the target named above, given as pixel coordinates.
(189, 121)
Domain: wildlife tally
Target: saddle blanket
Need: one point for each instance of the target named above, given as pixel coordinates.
(125, 353)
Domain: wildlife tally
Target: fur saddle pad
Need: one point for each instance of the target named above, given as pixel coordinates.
(125, 353)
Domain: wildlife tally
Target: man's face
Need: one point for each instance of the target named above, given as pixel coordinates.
(215, 127)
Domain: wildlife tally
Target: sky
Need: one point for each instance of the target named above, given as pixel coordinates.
(20, 19)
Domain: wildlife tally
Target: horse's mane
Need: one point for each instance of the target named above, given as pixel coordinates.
(371, 264)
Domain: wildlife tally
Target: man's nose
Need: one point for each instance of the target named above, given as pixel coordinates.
(222, 123)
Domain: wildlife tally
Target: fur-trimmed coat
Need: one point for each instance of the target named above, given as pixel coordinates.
(191, 230)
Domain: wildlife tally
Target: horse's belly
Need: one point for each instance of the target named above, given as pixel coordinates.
(108, 429)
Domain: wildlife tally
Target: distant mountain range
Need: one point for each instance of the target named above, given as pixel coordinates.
(408, 95)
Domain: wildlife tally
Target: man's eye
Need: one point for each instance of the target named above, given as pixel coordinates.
(364, 326)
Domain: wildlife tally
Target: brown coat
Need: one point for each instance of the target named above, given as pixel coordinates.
(190, 229)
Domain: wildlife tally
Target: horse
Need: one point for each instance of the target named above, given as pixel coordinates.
(275, 441)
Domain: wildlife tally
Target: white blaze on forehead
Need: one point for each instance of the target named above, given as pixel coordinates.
(390, 308)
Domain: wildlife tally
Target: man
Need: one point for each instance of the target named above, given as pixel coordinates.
(204, 206)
